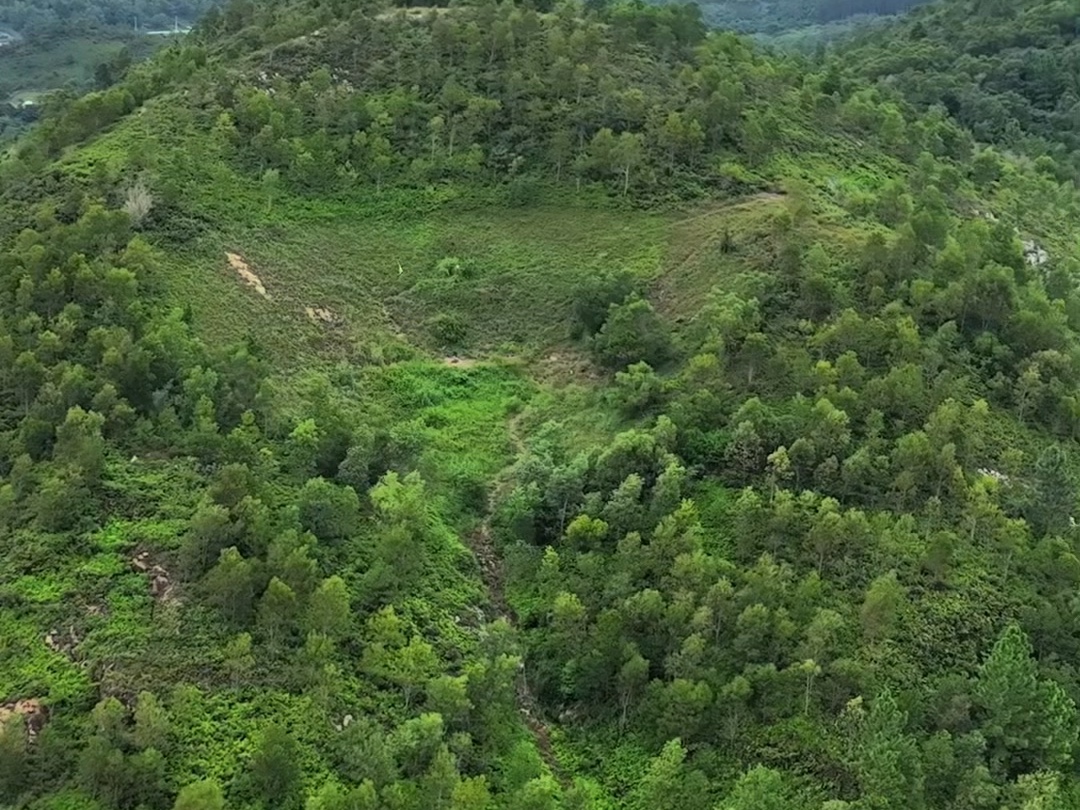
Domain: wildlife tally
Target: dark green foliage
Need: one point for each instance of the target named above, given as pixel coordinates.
(275, 768)
(998, 70)
(328, 511)
(747, 15)
(1030, 724)
(632, 333)
(594, 300)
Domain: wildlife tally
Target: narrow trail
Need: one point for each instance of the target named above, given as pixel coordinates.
(493, 574)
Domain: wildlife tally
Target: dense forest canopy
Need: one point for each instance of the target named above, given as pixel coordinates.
(491, 407)
(1006, 71)
(777, 16)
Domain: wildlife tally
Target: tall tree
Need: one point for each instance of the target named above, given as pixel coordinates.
(1029, 723)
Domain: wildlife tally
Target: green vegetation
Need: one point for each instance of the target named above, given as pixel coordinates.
(780, 16)
(48, 46)
(1002, 69)
(498, 407)
(41, 17)
(61, 62)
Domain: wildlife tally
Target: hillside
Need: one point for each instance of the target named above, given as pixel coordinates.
(1004, 70)
(780, 16)
(51, 46)
(506, 407)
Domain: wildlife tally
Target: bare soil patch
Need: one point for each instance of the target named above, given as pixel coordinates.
(323, 315)
(32, 711)
(567, 364)
(240, 265)
(162, 587)
(459, 362)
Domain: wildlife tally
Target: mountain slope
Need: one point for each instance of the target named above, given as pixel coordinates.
(750, 16)
(1004, 70)
(332, 338)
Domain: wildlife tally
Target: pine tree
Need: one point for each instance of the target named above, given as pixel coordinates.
(890, 776)
(1028, 723)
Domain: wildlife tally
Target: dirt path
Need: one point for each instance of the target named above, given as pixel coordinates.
(493, 574)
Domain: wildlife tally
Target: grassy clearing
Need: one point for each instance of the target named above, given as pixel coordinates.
(478, 282)
(697, 261)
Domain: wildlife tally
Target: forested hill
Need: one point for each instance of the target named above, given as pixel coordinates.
(779, 16)
(1006, 70)
(493, 407)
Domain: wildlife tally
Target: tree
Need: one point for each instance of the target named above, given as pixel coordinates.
(638, 389)
(271, 182)
(669, 783)
(238, 659)
(289, 559)
(205, 795)
(471, 793)
(328, 611)
(328, 511)
(14, 756)
(138, 202)
(404, 527)
(79, 443)
(1029, 723)
(759, 789)
(103, 771)
(888, 760)
(632, 333)
(881, 605)
(594, 298)
(1055, 492)
(1038, 791)
(332, 796)
(277, 611)
(627, 155)
(152, 724)
(275, 768)
(409, 667)
(302, 447)
(230, 585)
(631, 681)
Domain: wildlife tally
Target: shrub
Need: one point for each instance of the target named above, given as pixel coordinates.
(632, 333)
(448, 328)
(594, 299)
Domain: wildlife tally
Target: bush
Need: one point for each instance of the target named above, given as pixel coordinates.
(448, 328)
(328, 511)
(633, 333)
(593, 301)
